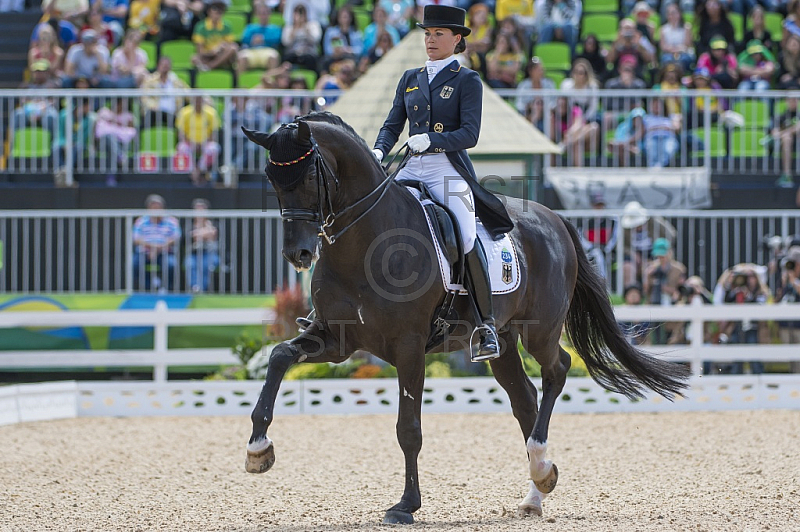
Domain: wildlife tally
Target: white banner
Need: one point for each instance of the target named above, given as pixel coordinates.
(664, 188)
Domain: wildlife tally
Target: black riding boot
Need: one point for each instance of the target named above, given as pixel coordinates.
(477, 284)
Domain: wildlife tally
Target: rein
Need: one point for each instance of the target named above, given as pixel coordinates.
(323, 172)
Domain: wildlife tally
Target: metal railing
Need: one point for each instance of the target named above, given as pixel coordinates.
(94, 251)
(126, 132)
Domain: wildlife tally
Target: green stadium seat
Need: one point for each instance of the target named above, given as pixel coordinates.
(554, 55)
(159, 141)
(774, 24)
(249, 79)
(184, 75)
(214, 79)
(746, 143)
(604, 26)
(557, 77)
(32, 142)
(737, 21)
(180, 52)
(714, 145)
(237, 22)
(276, 19)
(309, 75)
(151, 49)
(240, 6)
(600, 6)
(755, 113)
(363, 18)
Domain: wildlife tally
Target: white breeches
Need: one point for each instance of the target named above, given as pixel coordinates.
(448, 187)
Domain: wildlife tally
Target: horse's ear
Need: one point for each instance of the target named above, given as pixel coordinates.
(259, 137)
(303, 132)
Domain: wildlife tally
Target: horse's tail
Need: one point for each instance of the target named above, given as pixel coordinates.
(597, 337)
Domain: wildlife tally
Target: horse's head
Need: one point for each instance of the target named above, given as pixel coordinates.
(295, 170)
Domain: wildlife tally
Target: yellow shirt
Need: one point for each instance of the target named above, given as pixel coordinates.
(209, 36)
(198, 128)
(508, 8)
(144, 14)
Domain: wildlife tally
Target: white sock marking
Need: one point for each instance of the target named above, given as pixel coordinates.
(539, 467)
(259, 445)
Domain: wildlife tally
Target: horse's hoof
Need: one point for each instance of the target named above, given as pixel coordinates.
(260, 461)
(397, 517)
(529, 509)
(548, 484)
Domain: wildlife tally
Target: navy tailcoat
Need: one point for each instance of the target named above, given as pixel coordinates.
(449, 111)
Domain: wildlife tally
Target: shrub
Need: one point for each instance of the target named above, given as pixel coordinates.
(290, 303)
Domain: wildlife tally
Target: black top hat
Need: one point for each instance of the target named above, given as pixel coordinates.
(436, 16)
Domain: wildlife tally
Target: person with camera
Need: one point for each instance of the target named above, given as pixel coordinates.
(662, 279)
(742, 285)
(630, 42)
(789, 331)
(692, 292)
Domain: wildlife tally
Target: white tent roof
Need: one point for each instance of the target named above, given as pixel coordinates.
(366, 104)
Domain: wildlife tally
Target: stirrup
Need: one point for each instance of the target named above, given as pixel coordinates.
(488, 336)
(305, 323)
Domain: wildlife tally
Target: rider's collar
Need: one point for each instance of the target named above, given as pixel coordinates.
(434, 67)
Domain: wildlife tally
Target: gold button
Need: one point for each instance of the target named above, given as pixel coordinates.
(416, 124)
(415, 107)
(427, 123)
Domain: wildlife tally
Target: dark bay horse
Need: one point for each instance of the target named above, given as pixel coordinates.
(377, 287)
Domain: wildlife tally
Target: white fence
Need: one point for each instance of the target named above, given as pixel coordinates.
(93, 251)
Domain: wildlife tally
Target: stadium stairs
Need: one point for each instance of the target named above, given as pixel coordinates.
(15, 34)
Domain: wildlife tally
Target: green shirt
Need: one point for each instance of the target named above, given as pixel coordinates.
(209, 36)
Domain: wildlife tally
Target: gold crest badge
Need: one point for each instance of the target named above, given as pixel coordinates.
(446, 92)
(438, 127)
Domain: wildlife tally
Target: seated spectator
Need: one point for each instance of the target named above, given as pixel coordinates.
(559, 20)
(659, 134)
(692, 292)
(641, 16)
(115, 129)
(155, 237)
(522, 13)
(630, 42)
(595, 55)
(756, 67)
(617, 106)
(624, 146)
(105, 35)
(204, 257)
(581, 111)
(341, 77)
(536, 80)
(252, 114)
(757, 29)
(399, 14)
(384, 44)
(712, 18)
(783, 130)
(38, 112)
(510, 28)
(342, 40)
(161, 110)
(301, 40)
(66, 32)
(47, 49)
(114, 13)
(179, 17)
(198, 126)
(676, 39)
(214, 40)
(129, 62)
(317, 11)
(260, 42)
(379, 24)
(144, 17)
(504, 62)
(82, 131)
(87, 61)
(481, 38)
(722, 65)
(790, 63)
(701, 81)
(791, 24)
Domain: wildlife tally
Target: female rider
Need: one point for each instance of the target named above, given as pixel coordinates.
(442, 103)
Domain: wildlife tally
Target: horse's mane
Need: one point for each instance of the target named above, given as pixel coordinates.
(327, 117)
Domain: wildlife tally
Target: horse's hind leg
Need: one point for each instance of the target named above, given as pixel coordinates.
(313, 345)
(555, 364)
(510, 374)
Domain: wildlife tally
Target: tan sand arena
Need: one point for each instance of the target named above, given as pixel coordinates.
(683, 471)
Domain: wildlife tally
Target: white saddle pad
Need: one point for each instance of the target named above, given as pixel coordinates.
(501, 255)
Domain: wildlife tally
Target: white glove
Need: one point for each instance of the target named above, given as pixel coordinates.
(378, 154)
(419, 143)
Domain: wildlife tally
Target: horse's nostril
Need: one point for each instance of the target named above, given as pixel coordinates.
(305, 255)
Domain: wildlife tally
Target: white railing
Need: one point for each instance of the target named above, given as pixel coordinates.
(161, 356)
(706, 135)
(160, 319)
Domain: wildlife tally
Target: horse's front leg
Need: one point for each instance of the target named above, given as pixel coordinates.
(411, 379)
(314, 345)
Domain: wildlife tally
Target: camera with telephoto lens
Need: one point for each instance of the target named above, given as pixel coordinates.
(686, 290)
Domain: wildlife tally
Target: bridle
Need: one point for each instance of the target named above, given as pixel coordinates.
(324, 173)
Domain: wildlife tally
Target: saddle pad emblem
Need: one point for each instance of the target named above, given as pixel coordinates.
(446, 92)
(507, 258)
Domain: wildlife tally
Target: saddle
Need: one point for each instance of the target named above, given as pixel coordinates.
(445, 228)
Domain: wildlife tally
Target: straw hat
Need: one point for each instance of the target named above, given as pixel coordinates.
(634, 215)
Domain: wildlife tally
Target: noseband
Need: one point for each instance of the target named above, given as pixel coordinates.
(323, 174)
